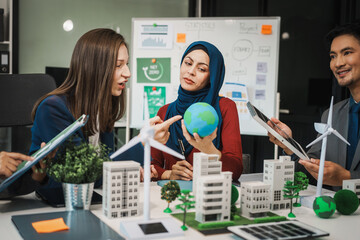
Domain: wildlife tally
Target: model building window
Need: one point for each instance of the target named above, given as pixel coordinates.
(277, 195)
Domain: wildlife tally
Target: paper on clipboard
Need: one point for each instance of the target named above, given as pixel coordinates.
(44, 151)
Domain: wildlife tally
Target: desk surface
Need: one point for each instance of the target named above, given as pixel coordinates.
(339, 226)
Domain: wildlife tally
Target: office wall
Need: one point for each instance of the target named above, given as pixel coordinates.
(43, 42)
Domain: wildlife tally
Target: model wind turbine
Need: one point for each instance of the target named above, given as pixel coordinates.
(146, 136)
(325, 130)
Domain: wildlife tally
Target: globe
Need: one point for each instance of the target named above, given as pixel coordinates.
(346, 201)
(201, 118)
(324, 206)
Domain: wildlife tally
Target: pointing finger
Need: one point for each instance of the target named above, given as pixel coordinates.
(170, 121)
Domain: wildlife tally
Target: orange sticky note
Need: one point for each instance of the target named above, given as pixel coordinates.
(266, 29)
(49, 226)
(181, 37)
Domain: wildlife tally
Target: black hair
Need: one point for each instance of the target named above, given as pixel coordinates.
(352, 29)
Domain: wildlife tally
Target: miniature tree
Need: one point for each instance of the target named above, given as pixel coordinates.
(169, 193)
(186, 204)
(234, 198)
(300, 180)
(290, 191)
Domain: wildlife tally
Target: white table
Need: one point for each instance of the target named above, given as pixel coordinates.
(339, 226)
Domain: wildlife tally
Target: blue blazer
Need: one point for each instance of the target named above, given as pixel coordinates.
(53, 116)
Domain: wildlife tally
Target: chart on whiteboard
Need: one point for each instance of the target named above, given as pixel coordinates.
(156, 36)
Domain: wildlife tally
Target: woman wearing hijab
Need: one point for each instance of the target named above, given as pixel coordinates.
(202, 73)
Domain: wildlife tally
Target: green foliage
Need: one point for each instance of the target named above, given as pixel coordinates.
(270, 219)
(234, 198)
(290, 190)
(211, 225)
(78, 164)
(186, 204)
(301, 180)
(234, 194)
(170, 191)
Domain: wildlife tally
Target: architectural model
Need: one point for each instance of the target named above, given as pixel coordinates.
(255, 199)
(204, 165)
(120, 189)
(276, 173)
(353, 185)
(212, 189)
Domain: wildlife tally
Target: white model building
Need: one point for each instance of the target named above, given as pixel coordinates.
(276, 173)
(213, 198)
(211, 188)
(353, 185)
(204, 165)
(121, 181)
(255, 199)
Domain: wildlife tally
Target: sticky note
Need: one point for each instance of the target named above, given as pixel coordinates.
(49, 226)
(266, 29)
(181, 37)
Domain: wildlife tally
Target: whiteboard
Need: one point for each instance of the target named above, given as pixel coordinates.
(250, 47)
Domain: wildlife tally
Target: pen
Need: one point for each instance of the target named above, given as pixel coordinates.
(181, 147)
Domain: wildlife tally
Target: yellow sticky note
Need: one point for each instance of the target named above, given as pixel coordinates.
(266, 29)
(181, 37)
(49, 226)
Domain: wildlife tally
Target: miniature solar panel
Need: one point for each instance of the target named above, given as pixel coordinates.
(152, 228)
(278, 230)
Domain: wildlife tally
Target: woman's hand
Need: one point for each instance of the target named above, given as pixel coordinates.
(153, 173)
(161, 127)
(39, 169)
(204, 144)
(182, 170)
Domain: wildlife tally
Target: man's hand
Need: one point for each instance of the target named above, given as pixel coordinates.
(204, 144)
(9, 161)
(334, 174)
(182, 170)
(161, 127)
(284, 128)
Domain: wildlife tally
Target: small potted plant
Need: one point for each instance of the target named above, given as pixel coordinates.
(77, 167)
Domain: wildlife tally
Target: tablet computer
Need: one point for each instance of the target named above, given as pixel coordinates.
(283, 137)
(44, 151)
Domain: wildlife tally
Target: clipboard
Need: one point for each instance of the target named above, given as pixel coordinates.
(44, 151)
(287, 140)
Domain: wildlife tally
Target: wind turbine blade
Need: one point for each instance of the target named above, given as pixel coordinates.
(164, 148)
(320, 127)
(127, 146)
(341, 137)
(329, 121)
(146, 110)
(317, 140)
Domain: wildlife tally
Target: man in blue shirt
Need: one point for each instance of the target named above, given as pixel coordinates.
(341, 161)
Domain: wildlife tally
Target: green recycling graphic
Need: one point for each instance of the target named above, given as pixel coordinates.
(153, 70)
